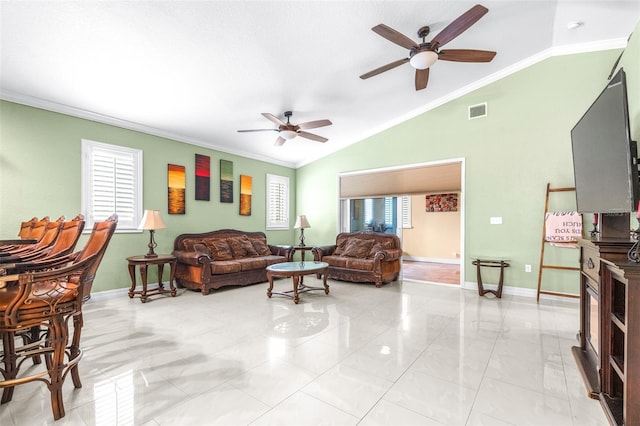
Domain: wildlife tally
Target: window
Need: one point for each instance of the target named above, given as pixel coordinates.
(388, 210)
(368, 211)
(111, 183)
(277, 202)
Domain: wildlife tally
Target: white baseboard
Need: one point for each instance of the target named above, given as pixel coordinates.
(521, 292)
(118, 292)
(431, 259)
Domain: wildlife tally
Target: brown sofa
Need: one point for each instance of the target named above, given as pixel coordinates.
(365, 256)
(211, 260)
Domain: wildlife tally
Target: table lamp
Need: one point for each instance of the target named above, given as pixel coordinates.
(151, 221)
(302, 223)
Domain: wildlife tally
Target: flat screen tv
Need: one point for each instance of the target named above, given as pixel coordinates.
(605, 159)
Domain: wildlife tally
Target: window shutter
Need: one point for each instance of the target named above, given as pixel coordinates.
(406, 211)
(277, 202)
(112, 184)
(388, 210)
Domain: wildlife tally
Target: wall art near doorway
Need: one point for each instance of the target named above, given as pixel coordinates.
(203, 177)
(226, 181)
(176, 183)
(442, 202)
(246, 190)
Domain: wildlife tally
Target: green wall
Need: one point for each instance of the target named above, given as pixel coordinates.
(40, 174)
(510, 156)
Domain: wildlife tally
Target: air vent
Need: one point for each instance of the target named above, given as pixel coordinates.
(477, 111)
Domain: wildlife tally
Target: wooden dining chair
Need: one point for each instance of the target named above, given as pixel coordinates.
(35, 232)
(65, 243)
(48, 300)
(25, 228)
(51, 231)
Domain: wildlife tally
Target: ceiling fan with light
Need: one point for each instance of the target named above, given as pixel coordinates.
(424, 55)
(288, 130)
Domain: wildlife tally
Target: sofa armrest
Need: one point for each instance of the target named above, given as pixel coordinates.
(286, 251)
(192, 257)
(388, 255)
(319, 252)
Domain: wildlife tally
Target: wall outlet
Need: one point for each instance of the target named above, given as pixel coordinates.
(527, 268)
(495, 221)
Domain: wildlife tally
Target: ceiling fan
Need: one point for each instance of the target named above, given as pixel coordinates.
(288, 130)
(425, 54)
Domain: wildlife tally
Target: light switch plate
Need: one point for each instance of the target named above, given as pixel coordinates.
(495, 220)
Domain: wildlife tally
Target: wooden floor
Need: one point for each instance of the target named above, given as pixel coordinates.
(444, 273)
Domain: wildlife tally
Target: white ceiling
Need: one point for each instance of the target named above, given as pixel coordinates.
(197, 71)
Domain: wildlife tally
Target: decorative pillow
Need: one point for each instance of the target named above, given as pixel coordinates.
(241, 247)
(220, 250)
(340, 247)
(357, 247)
(261, 247)
(189, 243)
(374, 249)
(201, 248)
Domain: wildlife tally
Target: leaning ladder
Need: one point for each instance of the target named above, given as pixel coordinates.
(544, 243)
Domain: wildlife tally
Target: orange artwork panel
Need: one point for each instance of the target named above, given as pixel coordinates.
(177, 184)
(246, 190)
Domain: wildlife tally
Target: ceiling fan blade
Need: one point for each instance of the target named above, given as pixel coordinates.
(273, 118)
(314, 124)
(258, 130)
(384, 68)
(460, 25)
(422, 78)
(394, 36)
(466, 55)
(311, 136)
(280, 141)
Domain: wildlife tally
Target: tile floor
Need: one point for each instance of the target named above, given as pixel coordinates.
(406, 354)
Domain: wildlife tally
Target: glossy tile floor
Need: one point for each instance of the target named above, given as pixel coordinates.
(405, 354)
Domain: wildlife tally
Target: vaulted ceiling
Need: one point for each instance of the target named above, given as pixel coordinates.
(198, 71)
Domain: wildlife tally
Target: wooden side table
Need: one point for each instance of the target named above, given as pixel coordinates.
(490, 263)
(303, 250)
(144, 262)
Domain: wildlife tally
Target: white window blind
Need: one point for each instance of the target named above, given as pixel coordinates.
(388, 210)
(111, 183)
(368, 211)
(406, 211)
(277, 202)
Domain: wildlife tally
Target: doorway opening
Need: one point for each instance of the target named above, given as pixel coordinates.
(396, 200)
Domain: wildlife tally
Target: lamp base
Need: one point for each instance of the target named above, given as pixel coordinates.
(152, 245)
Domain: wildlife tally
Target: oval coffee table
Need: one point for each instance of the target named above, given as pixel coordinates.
(297, 270)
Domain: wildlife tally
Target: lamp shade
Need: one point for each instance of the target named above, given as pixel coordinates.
(423, 60)
(302, 222)
(152, 220)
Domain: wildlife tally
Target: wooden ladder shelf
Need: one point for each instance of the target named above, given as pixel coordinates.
(544, 266)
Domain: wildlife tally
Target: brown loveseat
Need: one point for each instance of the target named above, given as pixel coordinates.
(225, 257)
(365, 256)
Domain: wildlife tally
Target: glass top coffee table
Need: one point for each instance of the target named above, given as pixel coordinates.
(296, 270)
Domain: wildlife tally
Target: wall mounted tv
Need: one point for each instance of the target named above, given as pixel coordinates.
(605, 159)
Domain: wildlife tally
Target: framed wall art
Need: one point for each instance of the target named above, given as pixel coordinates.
(203, 177)
(226, 181)
(442, 202)
(246, 190)
(176, 183)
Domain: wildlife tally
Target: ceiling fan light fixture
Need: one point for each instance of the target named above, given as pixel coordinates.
(423, 60)
(288, 134)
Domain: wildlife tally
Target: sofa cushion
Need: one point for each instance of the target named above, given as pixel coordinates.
(357, 247)
(359, 264)
(252, 263)
(337, 261)
(220, 250)
(221, 267)
(261, 247)
(189, 243)
(241, 247)
(374, 249)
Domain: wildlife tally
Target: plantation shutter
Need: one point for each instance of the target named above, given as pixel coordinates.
(277, 202)
(406, 211)
(112, 184)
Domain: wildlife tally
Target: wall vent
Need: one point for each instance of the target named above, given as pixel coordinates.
(477, 111)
